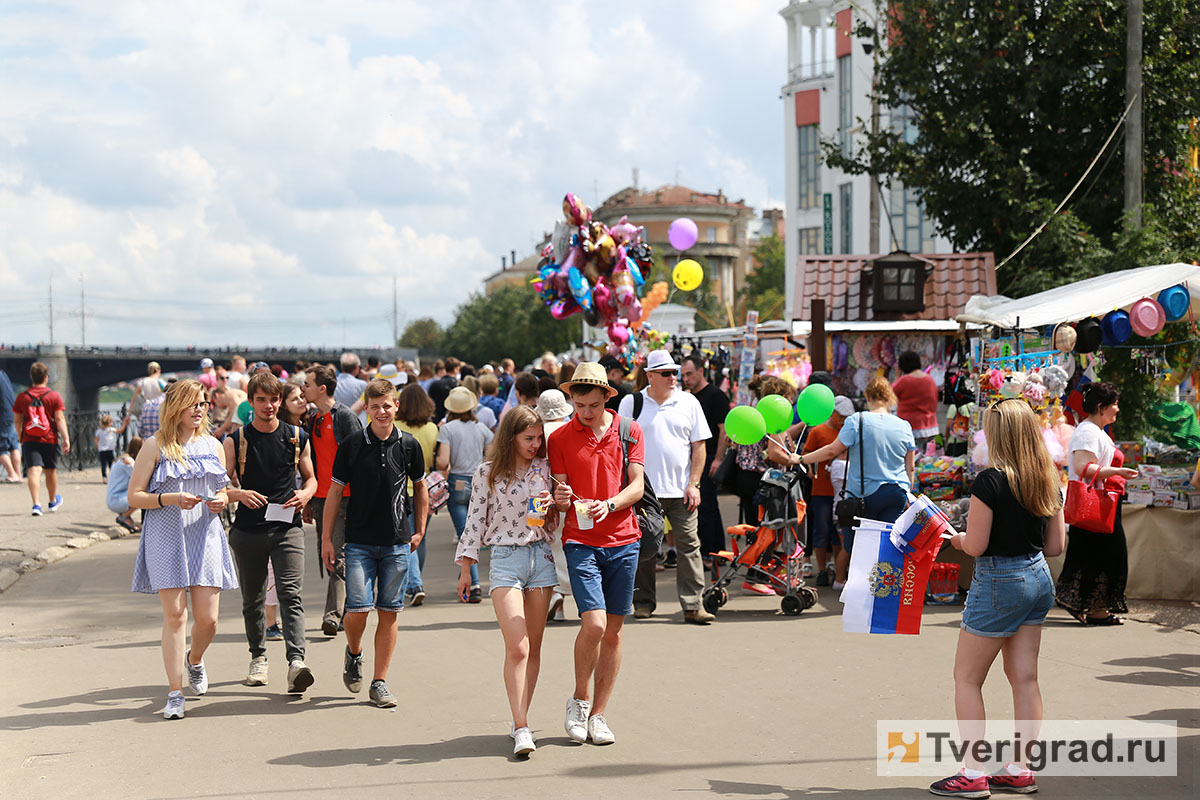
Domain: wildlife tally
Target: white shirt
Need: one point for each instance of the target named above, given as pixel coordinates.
(670, 430)
(1088, 436)
(237, 380)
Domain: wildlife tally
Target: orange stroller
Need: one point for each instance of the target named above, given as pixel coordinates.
(776, 555)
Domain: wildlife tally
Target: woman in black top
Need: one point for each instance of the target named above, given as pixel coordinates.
(1015, 519)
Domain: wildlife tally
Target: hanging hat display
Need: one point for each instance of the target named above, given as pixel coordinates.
(1063, 338)
(1115, 327)
(1087, 335)
(1174, 301)
(1146, 317)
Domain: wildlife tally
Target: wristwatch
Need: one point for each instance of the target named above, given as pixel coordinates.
(695, 484)
(612, 507)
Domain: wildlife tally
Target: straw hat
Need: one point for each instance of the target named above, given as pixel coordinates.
(589, 373)
(552, 404)
(461, 400)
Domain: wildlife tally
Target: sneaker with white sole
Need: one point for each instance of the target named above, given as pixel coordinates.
(599, 731)
(37, 511)
(418, 598)
(352, 671)
(555, 612)
(523, 743)
(577, 718)
(300, 677)
(380, 695)
(174, 708)
(257, 676)
(56, 503)
(197, 676)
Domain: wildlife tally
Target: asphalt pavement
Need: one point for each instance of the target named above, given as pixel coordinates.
(757, 705)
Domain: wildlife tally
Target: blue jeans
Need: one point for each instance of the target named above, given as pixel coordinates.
(1006, 593)
(416, 562)
(602, 577)
(368, 566)
(457, 506)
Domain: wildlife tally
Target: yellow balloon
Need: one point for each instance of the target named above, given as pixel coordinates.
(687, 275)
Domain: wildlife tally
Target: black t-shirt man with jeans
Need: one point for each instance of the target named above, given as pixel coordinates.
(264, 459)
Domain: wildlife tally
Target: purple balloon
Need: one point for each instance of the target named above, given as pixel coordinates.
(683, 233)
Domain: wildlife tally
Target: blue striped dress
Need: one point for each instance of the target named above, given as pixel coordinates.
(182, 548)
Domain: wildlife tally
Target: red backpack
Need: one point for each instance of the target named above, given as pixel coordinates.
(37, 423)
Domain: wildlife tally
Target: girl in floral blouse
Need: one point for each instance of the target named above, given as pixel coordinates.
(512, 511)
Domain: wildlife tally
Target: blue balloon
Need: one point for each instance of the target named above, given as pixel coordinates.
(581, 290)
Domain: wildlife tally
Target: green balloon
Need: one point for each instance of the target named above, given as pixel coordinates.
(776, 412)
(745, 425)
(815, 403)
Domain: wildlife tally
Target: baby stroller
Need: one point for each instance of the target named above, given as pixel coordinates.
(776, 554)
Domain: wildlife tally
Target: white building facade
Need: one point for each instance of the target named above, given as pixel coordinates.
(826, 95)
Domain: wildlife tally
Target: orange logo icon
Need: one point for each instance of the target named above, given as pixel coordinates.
(903, 746)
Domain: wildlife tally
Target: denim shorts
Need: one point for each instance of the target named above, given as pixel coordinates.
(602, 577)
(375, 577)
(820, 515)
(522, 567)
(1006, 593)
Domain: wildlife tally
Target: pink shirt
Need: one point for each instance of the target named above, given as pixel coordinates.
(498, 518)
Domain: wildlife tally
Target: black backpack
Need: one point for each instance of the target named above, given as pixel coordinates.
(651, 519)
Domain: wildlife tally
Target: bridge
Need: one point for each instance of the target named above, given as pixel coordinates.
(78, 373)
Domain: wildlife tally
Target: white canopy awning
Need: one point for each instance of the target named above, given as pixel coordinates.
(1093, 297)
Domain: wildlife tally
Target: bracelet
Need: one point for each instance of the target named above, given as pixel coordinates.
(160, 503)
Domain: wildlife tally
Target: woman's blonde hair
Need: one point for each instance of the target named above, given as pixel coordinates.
(878, 390)
(1016, 447)
(106, 420)
(180, 397)
(503, 451)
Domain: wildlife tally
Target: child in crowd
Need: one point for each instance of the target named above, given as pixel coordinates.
(511, 511)
(1015, 520)
(376, 465)
(106, 443)
(117, 497)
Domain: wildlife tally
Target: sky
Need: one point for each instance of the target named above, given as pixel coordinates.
(258, 173)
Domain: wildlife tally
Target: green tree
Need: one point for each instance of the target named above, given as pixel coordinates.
(512, 322)
(710, 311)
(1009, 101)
(764, 289)
(423, 333)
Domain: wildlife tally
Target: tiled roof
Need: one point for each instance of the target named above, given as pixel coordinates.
(670, 196)
(847, 292)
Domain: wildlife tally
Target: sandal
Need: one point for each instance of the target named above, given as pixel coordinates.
(127, 524)
(1079, 616)
(1111, 619)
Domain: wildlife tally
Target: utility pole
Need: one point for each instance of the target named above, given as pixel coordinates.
(395, 316)
(51, 310)
(1133, 125)
(82, 315)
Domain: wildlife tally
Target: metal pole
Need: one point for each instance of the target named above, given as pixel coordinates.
(395, 317)
(1133, 125)
(51, 310)
(82, 316)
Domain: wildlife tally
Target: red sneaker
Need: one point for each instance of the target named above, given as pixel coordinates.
(1004, 781)
(959, 785)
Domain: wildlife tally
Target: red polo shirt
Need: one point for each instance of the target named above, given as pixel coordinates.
(593, 469)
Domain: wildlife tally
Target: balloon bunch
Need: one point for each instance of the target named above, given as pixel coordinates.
(773, 414)
(599, 273)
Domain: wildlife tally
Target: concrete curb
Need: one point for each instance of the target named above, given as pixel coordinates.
(11, 573)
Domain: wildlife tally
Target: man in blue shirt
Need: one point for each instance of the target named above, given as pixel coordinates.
(10, 447)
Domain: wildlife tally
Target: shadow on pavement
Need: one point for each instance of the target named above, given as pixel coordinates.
(1172, 669)
(496, 746)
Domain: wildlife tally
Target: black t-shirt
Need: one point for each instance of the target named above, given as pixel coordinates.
(716, 406)
(376, 484)
(623, 388)
(270, 470)
(439, 390)
(1015, 531)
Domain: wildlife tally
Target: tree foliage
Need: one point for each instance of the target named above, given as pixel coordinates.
(764, 289)
(423, 333)
(512, 322)
(1011, 100)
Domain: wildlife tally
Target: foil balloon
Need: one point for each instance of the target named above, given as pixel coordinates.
(581, 290)
(561, 309)
(653, 299)
(576, 211)
(619, 333)
(625, 232)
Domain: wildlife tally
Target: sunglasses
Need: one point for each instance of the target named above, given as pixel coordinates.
(204, 406)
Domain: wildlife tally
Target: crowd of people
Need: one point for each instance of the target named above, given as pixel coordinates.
(545, 467)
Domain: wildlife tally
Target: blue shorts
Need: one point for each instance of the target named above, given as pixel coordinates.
(9, 441)
(527, 567)
(375, 577)
(820, 515)
(1006, 593)
(602, 577)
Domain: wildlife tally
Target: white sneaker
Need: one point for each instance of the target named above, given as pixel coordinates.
(257, 676)
(577, 718)
(806, 571)
(300, 677)
(523, 743)
(174, 709)
(197, 676)
(598, 729)
(556, 607)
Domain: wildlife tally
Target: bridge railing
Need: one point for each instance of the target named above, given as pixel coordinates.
(81, 426)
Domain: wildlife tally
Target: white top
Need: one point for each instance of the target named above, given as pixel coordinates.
(151, 387)
(670, 430)
(486, 416)
(499, 518)
(237, 380)
(1088, 436)
(106, 439)
(468, 441)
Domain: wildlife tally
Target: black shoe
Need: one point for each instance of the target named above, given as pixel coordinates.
(475, 595)
(672, 559)
(352, 671)
(823, 578)
(330, 627)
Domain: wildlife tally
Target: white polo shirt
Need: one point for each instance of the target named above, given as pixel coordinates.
(670, 430)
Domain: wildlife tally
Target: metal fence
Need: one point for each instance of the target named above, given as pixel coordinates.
(81, 427)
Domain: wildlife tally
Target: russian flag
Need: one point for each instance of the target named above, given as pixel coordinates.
(885, 591)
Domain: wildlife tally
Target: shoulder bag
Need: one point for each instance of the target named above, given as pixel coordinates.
(651, 519)
(848, 508)
(1089, 505)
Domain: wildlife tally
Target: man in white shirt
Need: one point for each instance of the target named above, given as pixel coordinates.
(675, 431)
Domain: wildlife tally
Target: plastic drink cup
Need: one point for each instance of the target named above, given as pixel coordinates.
(535, 514)
(583, 516)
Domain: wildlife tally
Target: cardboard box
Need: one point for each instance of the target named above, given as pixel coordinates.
(1164, 499)
(1140, 498)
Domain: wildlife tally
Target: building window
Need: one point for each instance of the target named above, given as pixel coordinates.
(899, 283)
(845, 106)
(810, 241)
(710, 235)
(810, 167)
(846, 205)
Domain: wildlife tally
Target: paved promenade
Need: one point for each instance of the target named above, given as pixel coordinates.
(757, 705)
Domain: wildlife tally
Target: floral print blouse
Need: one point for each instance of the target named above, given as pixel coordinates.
(498, 517)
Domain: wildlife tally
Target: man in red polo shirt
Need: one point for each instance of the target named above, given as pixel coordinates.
(601, 540)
